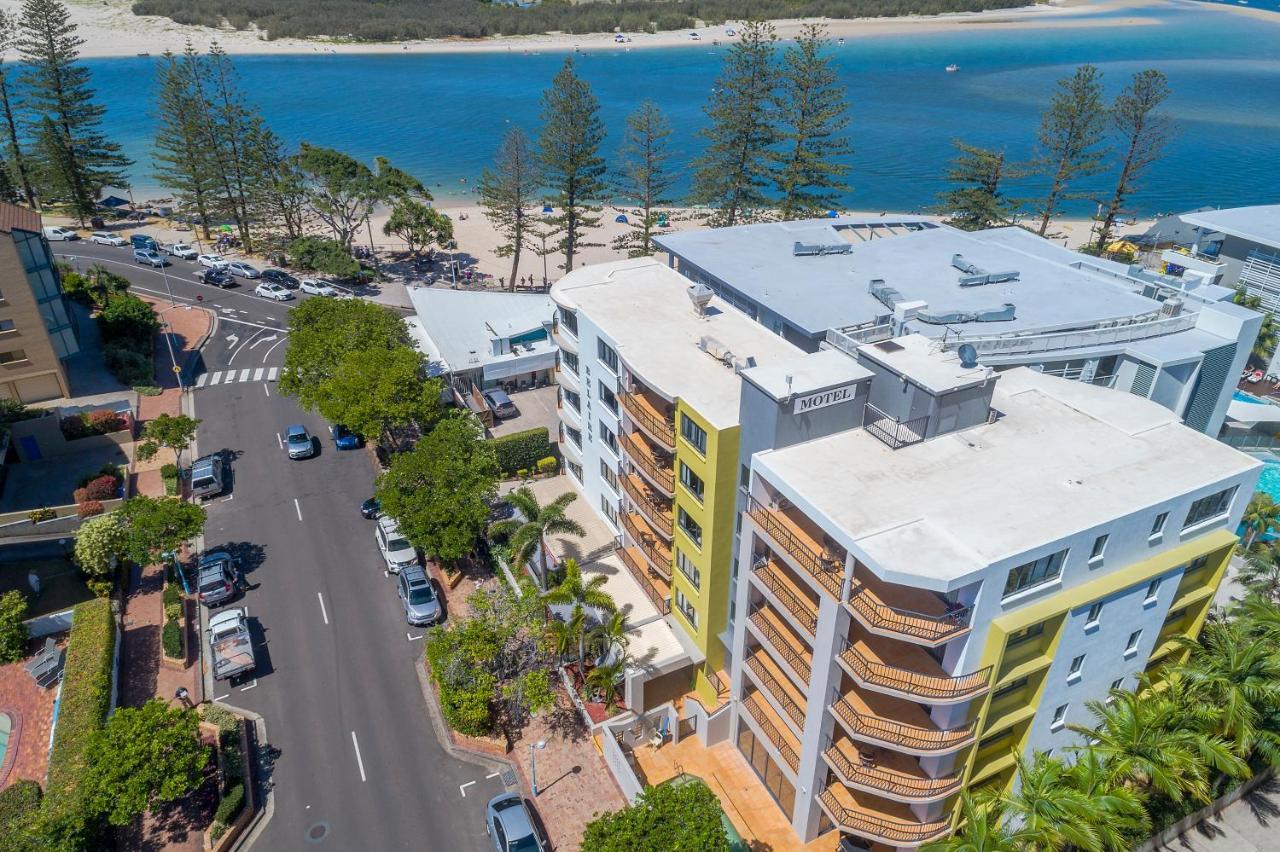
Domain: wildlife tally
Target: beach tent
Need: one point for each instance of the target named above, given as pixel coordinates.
(662, 220)
(831, 214)
(113, 202)
(621, 218)
(546, 208)
(1122, 247)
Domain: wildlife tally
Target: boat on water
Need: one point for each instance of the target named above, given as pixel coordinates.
(840, 42)
(952, 68)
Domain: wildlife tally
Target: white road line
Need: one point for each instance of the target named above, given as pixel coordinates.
(462, 788)
(217, 377)
(201, 379)
(359, 761)
(244, 374)
(272, 373)
(323, 611)
(250, 686)
(266, 389)
(221, 697)
(492, 775)
(278, 441)
(257, 374)
(297, 507)
(228, 498)
(243, 343)
(411, 637)
(273, 346)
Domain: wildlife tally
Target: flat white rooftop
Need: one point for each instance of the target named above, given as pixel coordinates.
(1063, 457)
(913, 356)
(1258, 224)
(644, 307)
(458, 330)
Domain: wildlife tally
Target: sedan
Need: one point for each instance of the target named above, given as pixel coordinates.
(297, 441)
(244, 270)
(213, 261)
(370, 509)
(317, 288)
(149, 257)
(344, 438)
(510, 826)
(273, 291)
(217, 278)
(418, 596)
(103, 238)
(279, 276)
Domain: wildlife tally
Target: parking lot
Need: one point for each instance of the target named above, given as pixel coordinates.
(537, 408)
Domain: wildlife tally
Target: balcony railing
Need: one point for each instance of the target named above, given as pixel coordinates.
(658, 514)
(823, 569)
(899, 734)
(801, 610)
(879, 616)
(652, 591)
(648, 464)
(775, 688)
(913, 684)
(888, 831)
(659, 428)
(781, 644)
(1141, 328)
(658, 557)
(761, 718)
(892, 432)
(877, 779)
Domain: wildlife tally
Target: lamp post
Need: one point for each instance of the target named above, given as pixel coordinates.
(534, 748)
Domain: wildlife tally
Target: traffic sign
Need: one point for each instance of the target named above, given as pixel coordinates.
(177, 369)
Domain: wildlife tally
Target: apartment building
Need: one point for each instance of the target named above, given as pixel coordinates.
(36, 328)
(1017, 299)
(1239, 245)
(939, 565)
(649, 399)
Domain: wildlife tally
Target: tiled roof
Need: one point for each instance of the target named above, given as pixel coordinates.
(13, 217)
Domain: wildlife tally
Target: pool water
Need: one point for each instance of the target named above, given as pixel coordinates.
(1241, 396)
(6, 727)
(1269, 481)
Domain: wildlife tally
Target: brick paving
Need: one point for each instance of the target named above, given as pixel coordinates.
(31, 709)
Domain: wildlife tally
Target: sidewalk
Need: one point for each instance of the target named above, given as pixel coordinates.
(1247, 825)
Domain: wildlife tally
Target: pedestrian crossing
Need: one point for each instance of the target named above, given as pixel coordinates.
(229, 377)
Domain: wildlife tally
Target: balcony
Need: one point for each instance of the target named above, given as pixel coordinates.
(779, 687)
(651, 504)
(798, 603)
(568, 379)
(903, 725)
(798, 539)
(907, 671)
(878, 819)
(771, 725)
(654, 467)
(886, 773)
(650, 417)
(655, 588)
(902, 612)
(657, 554)
(784, 645)
(563, 337)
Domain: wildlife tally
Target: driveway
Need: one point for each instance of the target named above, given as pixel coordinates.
(537, 408)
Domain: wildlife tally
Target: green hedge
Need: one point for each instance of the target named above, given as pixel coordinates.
(522, 450)
(171, 638)
(19, 805)
(228, 809)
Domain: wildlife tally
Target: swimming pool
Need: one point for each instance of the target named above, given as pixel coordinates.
(1269, 481)
(1241, 396)
(6, 728)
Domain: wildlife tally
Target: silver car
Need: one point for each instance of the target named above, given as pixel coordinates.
(510, 826)
(217, 578)
(396, 550)
(421, 606)
(297, 440)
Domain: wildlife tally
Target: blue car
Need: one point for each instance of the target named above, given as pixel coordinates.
(344, 438)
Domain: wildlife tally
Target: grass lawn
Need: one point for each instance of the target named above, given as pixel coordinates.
(60, 584)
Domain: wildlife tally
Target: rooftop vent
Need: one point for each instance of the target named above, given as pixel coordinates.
(968, 356)
(976, 276)
(1005, 313)
(1171, 307)
(889, 346)
(700, 295)
(799, 249)
(887, 295)
(958, 261)
(717, 350)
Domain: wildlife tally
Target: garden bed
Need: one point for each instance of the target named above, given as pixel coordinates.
(236, 805)
(173, 636)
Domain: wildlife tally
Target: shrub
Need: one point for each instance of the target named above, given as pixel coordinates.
(220, 716)
(169, 469)
(232, 758)
(466, 708)
(230, 806)
(89, 508)
(128, 319)
(19, 805)
(104, 421)
(13, 633)
(521, 449)
(129, 366)
(102, 488)
(147, 390)
(39, 515)
(318, 254)
(547, 465)
(523, 473)
(74, 427)
(109, 469)
(171, 638)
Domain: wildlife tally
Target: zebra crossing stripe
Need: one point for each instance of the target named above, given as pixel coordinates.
(244, 374)
(272, 373)
(217, 377)
(201, 379)
(257, 374)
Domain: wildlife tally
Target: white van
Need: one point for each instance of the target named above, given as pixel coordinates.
(54, 233)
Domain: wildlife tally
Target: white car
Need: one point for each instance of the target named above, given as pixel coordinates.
(181, 250)
(213, 261)
(316, 288)
(103, 238)
(395, 548)
(267, 290)
(244, 270)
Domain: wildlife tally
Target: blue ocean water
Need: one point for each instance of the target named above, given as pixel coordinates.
(440, 116)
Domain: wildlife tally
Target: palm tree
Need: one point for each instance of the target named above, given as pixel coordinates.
(562, 636)
(605, 677)
(1125, 817)
(1264, 345)
(525, 536)
(574, 592)
(1240, 678)
(1050, 812)
(1261, 572)
(982, 828)
(610, 633)
(1261, 514)
(1261, 618)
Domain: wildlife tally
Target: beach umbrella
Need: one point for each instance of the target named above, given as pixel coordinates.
(831, 214)
(662, 220)
(621, 218)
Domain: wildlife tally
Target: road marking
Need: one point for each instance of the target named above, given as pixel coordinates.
(297, 507)
(217, 377)
(221, 697)
(272, 373)
(323, 611)
(244, 374)
(492, 775)
(462, 788)
(201, 379)
(359, 761)
(257, 374)
(250, 686)
(273, 346)
(411, 637)
(232, 339)
(278, 441)
(266, 389)
(228, 498)
(243, 344)
(264, 340)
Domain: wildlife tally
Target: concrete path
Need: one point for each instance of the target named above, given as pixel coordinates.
(1248, 825)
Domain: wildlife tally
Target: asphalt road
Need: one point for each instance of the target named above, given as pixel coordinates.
(359, 764)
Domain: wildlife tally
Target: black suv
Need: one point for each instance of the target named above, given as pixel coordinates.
(217, 278)
(279, 276)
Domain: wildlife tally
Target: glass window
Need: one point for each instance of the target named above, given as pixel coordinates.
(608, 475)
(693, 433)
(610, 511)
(1076, 665)
(569, 320)
(610, 439)
(686, 609)
(1008, 688)
(1042, 570)
(1199, 563)
(570, 361)
(13, 356)
(607, 356)
(688, 569)
(575, 436)
(986, 742)
(1157, 526)
(1095, 612)
(691, 481)
(1059, 718)
(575, 469)
(1175, 614)
(691, 527)
(1132, 644)
(608, 397)
(7, 325)
(1025, 635)
(1117, 683)
(1099, 545)
(1152, 589)
(1208, 508)
(744, 479)
(573, 398)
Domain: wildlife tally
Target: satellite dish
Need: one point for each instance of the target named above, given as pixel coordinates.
(968, 355)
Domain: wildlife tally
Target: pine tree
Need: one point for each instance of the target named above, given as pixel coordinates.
(184, 163)
(80, 160)
(644, 176)
(977, 199)
(231, 126)
(569, 154)
(507, 192)
(280, 195)
(1143, 133)
(734, 169)
(16, 164)
(812, 115)
(1070, 139)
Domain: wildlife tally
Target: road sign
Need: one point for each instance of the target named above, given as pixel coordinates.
(177, 369)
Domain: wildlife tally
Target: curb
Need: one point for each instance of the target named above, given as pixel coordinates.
(258, 824)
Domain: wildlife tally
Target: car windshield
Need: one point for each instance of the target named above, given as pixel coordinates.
(299, 438)
(398, 543)
(421, 594)
(528, 843)
(211, 582)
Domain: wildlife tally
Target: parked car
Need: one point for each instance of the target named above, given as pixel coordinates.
(53, 233)
(500, 403)
(217, 278)
(105, 238)
(206, 476)
(213, 261)
(317, 288)
(297, 440)
(244, 270)
(510, 826)
(230, 645)
(344, 438)
(149, 257)
(273, 291)
(418, 596)
(144, 242)
(218, 578)
(370, 509)
(395, 548)
(181, 250)
(279, 276)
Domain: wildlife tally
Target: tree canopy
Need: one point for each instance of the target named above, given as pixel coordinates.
(167, 430)
(372, 390)
(671, 817)
(154, 525)
(323, 331)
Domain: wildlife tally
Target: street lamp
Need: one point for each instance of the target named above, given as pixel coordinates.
(534, 748)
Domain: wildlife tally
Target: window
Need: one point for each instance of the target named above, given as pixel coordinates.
(608, 397)
(575, 469)
(1076, 665)
(606, 435)
(690, 526)
(610, 511)
(688, 569)
(1131, 647)
(1175, 614)
(575, 436)
(744, 479)
(607, 356)
(1043, 570)
(13, 356)
(1157, 527)
(1209, 508)
(1099, 545)
(686, 609)
(573, 398)
(569, 320)
(1025, 635)
(1153, 588)
(570, 361)
(7, 325)
(693, 433)
(1095, 612)
(691, 481)
(1059, 718)
(608, 475)
(1117, 683)
(987, 742)
(1196, 565)
(1008, 688)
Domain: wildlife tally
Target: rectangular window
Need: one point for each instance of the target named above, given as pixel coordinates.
(7, 325)
(609, 511)
(693, 433)
(607, 356)
(608, 475)
(1043, 570)
(690, 526)
(13, 356)
(688, 569)
(1153, 588)
(1059, 719)
(575, 436)
(987, 742)
(570, 361)
(1117, 683)
(1175, 614)
(1008, 688)
(1209, 508)
(686, 609)
(1131, 647)
(1157, 526)
(608, 397)
(744, 480)
(1026, 634)
(610, 439)
(1076, 665)
(1196, 565)
(1099, 545)
(575, 469)
(569, 320)
(573, 398)
(1095, 612)
(691, 481)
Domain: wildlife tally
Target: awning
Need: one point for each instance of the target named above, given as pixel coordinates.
(519, 365)
(1253, 412)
